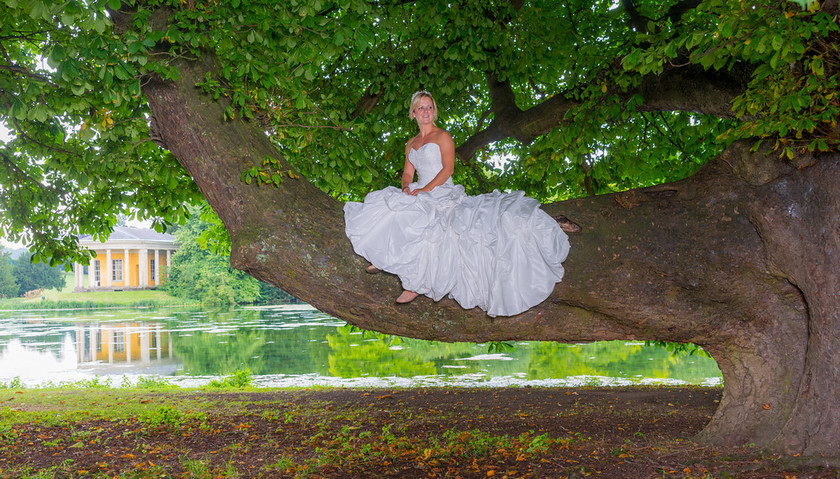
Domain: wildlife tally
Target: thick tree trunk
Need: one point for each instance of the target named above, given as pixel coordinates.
(739, 259)
(798, 219)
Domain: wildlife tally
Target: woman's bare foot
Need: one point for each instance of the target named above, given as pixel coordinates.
(567, 225)
(372, 269)
(407, 297)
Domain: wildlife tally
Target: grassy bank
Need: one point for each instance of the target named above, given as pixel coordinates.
(69, 299)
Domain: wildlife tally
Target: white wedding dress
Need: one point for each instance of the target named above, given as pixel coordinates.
(497, 251)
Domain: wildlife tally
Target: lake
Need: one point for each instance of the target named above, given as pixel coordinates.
(298, 346)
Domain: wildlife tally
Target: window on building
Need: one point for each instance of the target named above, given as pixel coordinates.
(116, 270)
(119, 342)
(97, 279)
(152, 269)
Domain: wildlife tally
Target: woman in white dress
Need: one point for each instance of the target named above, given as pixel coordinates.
(497, 251)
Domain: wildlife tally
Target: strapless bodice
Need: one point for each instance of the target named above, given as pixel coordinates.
(427, 163)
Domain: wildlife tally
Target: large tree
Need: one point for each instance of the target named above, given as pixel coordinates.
(694, 142)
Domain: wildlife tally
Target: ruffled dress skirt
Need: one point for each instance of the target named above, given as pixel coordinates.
(497, 251)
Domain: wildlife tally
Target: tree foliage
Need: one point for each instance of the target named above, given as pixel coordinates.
(336, 104)
(201, 269)
(8, 286)
(30, 275)
(330, 81)
(80, 145)
(196, 273)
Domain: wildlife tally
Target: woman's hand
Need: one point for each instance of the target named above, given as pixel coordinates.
(411, 192)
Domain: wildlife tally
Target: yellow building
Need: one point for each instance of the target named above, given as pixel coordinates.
(131, 258)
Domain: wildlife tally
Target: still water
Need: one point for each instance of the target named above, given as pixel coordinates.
(296, 345)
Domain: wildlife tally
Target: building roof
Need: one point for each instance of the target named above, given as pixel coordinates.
(127, 233)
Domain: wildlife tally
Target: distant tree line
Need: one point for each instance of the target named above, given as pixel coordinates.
(17, 277)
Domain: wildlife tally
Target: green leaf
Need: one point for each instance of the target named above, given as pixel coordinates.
(121, 72)
(39, 112)
(56, 56)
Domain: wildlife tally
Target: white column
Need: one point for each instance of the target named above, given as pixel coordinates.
(158, 329)
(145, 353)
(80, 343)
(168, 261)
(157, 268)
(76, 277)
(127, 336)
(95, 338)
(144, 268)
(126, 277)
(94, 335)
(112, 338)
(108, 268)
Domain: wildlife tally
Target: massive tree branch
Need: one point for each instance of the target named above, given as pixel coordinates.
(293, 236)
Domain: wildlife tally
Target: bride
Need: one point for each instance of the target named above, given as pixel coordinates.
(497, 251)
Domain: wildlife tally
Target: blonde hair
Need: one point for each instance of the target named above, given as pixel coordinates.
(415, 99)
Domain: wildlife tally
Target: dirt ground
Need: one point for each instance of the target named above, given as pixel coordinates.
(352, 433)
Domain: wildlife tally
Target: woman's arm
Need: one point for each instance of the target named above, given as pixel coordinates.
(408, 170)
(447, 159)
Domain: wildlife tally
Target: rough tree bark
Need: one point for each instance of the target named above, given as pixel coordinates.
(740, 258)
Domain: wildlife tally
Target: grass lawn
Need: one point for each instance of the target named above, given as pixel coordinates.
(67, 298)
(155, 431)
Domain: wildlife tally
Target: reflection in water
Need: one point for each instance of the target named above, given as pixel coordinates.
(299, 346)
(107, 348)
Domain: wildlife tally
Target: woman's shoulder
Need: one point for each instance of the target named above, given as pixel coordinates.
(442, 135)
(444, 140)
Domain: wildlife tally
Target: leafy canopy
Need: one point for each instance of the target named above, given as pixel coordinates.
(330, 82)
